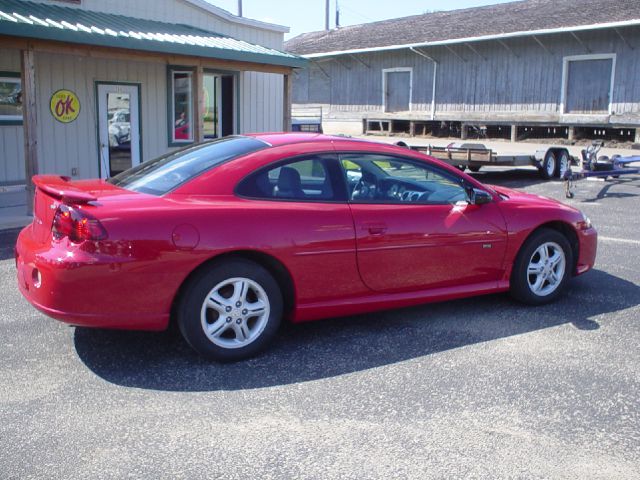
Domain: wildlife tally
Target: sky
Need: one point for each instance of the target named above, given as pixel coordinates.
(308, 15)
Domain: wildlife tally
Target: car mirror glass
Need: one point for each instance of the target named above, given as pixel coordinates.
(479, 197)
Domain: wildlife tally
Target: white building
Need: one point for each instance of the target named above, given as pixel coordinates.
(89, 88)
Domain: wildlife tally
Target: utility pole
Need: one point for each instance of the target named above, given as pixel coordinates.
(239, 8)
(326, 15)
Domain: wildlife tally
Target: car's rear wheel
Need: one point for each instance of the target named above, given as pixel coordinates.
(231, 311)
(542, 268)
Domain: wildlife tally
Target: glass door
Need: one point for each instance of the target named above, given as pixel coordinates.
(219, 105)
(119, 128)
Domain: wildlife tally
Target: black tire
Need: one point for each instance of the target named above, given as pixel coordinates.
(564, 163)
(520, 287)
(461, 167)
(475, 168)
(549, 166)
(191, 319)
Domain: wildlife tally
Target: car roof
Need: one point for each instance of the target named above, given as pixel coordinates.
(276, 139)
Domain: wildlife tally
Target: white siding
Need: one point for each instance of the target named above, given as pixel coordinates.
(11, 136)
(261, 102)
(62, 147)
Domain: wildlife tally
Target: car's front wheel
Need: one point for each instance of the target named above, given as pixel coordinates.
(231, 311)
(542, 268)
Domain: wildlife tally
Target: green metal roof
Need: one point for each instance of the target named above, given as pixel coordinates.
(74, 25)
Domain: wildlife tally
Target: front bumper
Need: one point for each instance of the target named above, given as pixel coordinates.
(588, 247)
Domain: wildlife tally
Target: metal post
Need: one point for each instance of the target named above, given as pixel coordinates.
(198, 103)
(239, 8)
(514, 133)
(286, 120)
(30, 123)
(326, 15)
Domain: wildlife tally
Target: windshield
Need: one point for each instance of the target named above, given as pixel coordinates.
(165, 173)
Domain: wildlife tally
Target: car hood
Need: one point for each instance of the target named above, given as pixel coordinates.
(522, 197)
(527, 202)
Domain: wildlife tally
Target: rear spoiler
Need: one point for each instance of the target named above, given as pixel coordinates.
(58, 186)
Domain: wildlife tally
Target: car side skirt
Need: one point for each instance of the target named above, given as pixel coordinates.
(387, 301)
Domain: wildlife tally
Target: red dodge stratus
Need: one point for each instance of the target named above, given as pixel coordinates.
(226, 238)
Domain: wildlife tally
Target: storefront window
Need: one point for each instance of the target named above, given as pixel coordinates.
(181, 106)
(10, 98)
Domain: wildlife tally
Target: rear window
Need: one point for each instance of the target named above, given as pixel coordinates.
(165, 173)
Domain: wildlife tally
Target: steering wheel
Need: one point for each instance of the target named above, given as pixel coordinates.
(364, 189)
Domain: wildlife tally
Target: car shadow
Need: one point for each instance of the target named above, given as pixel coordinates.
(605, 191)
(329, 348)
(512, 178)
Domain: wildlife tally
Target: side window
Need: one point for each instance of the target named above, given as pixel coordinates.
(304, 179)
(385, 179)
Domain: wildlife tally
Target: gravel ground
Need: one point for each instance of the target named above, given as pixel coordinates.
(477, 388)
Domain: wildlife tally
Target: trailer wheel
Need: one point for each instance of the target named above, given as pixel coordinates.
(460, 167)
(475, 168)
(563, 164)
(548, 169)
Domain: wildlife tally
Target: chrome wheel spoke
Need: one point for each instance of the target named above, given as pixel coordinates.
(244, 331)
(555, 259)
(218, 327)
(240, 289)
(535, 269)
(256, 308)
(219, 300)
(216, 306)
(537, 285)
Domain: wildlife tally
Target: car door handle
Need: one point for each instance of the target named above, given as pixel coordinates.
(375, 228)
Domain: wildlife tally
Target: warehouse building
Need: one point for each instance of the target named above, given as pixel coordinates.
(533, 68)
(89, 88)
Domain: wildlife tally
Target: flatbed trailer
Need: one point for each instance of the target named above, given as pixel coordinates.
(551, 162)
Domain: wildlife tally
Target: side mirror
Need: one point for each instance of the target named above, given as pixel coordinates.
(479, 197)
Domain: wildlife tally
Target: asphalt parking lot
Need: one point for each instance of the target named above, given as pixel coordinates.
(477, 388)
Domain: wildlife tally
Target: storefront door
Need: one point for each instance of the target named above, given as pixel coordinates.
(219, 105)
(119, 127)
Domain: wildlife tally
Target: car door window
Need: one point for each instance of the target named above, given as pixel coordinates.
(386, 179)
(303, 179)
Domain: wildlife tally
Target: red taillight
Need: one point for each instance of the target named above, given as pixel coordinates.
(77, 225)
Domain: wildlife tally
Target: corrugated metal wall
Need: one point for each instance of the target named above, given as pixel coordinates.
(522, 82)
(11, 136)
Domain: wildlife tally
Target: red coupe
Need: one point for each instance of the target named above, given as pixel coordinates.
(227, 238)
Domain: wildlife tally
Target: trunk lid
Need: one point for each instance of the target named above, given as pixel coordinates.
(53, 190)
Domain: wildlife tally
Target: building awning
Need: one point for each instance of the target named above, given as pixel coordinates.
(73, 25)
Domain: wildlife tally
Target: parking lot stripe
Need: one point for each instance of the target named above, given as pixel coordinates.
(619, 240)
